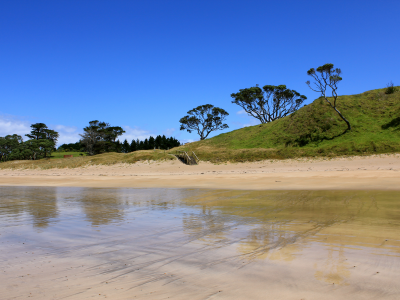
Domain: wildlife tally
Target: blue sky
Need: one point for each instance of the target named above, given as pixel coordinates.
(143, 64)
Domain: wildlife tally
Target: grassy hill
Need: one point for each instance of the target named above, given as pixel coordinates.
(314, 130)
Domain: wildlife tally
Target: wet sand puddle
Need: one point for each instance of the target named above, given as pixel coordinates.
(81, 243)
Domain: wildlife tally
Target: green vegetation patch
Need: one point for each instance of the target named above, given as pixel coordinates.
(314, 130)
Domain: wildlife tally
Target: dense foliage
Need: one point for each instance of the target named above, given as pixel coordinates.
(204, 119)
(41, 144)
(71, 147)
(100, 137)
(159, 142)
(269, 103)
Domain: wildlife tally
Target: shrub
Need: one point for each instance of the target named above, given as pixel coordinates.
(390, 89)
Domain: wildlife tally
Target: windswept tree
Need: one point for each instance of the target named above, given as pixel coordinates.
(91, 136)
(269, 103)
(328, 78)
(40, 131)
(204, 119)
(100, 137)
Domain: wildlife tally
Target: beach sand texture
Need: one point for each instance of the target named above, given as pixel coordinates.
(359, 173)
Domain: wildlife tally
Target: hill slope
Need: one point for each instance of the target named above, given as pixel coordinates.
(314, 130)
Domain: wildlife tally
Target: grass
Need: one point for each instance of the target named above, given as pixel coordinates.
(314, 131)
(61, 154)
(82, 161)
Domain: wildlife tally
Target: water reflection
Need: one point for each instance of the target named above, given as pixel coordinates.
(102, 207)
(327, 228)
(40, 204)
(279, 225)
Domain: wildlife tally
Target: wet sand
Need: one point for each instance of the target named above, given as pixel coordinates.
(80, 243)
(354, 173)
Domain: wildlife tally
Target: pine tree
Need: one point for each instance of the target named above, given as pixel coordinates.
(125, 147)
(133, 146)
(163, 142)
(151, 142)
(146, 144)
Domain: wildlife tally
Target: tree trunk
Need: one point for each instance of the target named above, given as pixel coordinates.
(343, 118)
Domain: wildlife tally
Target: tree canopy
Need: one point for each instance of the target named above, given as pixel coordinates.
(100, 137)
(41, 131)
(269, 103)
(12, 147)
(204, 119)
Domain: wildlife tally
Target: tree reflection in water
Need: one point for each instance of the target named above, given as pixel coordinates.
(279, 225)
(39, 203)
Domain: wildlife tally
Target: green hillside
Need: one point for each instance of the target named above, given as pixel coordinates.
(314, 130)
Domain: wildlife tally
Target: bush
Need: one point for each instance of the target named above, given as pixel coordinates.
(390, 89)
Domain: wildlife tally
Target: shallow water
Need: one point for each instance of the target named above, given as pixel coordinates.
(198, 244)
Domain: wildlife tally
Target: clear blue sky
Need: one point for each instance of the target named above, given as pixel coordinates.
(143, 64)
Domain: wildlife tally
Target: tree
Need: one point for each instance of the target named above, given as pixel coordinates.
(133, 146)
(146, 144)
(41, 131)
(204, 119)
(38, 131)
(269, 103)
(141, 146)
(36, 149)
(328, 77)
(100, 137)
(8, 144)
(126, 147)
(77, 147)
(91, 136)
(152, 144)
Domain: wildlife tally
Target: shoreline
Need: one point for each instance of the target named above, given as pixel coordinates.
(354, 173)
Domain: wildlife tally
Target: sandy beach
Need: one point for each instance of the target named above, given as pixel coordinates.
(380, 172)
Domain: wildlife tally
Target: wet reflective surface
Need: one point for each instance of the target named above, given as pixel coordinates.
(82, 243)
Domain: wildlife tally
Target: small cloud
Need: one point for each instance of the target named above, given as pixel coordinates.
(169, 131)
(68, 134)
(241, 112)
(134, 134)
(63, 128)
(14, 125)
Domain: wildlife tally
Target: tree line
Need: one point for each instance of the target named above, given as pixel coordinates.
(158, 142)
(267, 104)
(98, 137)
